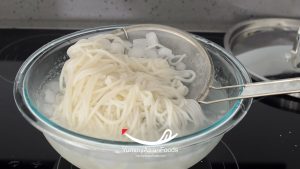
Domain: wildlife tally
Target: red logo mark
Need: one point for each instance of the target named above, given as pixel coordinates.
(124, 131)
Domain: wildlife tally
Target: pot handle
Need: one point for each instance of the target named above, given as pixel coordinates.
(275, 87)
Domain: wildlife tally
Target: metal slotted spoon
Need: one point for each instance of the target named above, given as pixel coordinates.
(199, 60)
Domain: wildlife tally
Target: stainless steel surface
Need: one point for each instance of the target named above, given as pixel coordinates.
(259, 89)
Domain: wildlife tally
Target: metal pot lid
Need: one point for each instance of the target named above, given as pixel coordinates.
(253, 34)
(268, 48)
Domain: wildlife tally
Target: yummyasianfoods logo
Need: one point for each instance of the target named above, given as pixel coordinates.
(152, 148)
(166, 137)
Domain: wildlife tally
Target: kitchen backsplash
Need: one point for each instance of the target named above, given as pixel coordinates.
(194, 15)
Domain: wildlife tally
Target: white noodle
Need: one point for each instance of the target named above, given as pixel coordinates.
(106, 85)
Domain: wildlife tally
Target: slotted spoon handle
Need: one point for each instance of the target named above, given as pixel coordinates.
(259, 89)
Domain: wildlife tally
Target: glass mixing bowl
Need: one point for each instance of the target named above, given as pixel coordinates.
(92, 153)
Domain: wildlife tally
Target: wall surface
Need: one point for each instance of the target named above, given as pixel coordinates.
(205, 15)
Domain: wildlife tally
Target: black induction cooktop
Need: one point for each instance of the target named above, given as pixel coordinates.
(267, 138)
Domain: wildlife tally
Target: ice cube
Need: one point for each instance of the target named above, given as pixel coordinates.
(49, 96)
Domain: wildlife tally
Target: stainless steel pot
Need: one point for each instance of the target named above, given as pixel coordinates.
(255, 38)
